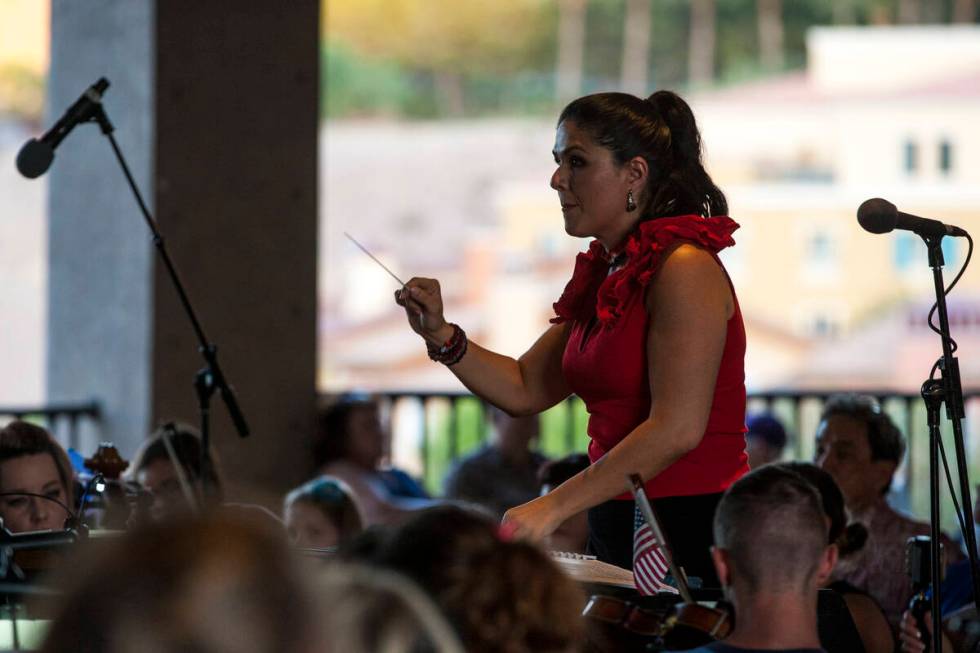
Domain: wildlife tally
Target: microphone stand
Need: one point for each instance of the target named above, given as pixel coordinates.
(210, 378)
(948, 390)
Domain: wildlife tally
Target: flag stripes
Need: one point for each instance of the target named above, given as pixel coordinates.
(649, 562)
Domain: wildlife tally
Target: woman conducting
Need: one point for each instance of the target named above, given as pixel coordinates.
(648, 331)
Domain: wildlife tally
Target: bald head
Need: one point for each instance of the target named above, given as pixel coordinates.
(771, 524)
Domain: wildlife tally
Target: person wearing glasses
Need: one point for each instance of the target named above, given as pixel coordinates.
(36, 479)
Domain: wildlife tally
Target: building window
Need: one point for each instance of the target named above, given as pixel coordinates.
(820, 249)
(824, 326)
(820, 257)
(945, 156)
(908, 249)
(911, 156)
(950, 254)
(910, 253)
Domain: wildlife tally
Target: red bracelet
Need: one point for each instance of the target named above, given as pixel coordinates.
(452, 351)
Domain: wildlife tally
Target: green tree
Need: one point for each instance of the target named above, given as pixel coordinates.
(636, 47)
(571, 48)
(701, 46)
(448, 39)
(770, 21)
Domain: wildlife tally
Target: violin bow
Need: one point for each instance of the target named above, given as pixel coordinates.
(170, 431)
(635, 484)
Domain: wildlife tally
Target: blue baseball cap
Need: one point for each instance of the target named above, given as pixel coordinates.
(767, 427)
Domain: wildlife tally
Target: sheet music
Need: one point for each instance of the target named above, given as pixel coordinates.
(587, 569)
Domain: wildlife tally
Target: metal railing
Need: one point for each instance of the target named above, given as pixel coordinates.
(432, 430)
(62, 420)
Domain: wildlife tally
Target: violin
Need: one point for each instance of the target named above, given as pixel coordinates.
(664, 622)
(696, 624)
(107, 461)
(654, 622)
(618, 624)
(625, 614)
(116, 504)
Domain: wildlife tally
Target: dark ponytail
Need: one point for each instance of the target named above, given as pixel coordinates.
(662, 130)
(686, 182)
(852, 540)
(849, 537)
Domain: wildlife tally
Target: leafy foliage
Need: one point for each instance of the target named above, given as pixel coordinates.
(432, 58)
(503, 36)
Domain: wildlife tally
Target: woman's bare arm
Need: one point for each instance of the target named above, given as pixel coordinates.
(692, 303)
(523, 386)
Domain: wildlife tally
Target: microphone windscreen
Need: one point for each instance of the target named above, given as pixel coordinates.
(34, 158)
(877, 215)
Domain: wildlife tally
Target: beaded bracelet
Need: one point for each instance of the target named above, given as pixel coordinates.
(452, 351)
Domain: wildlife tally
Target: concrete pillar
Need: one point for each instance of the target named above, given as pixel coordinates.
(99, 316)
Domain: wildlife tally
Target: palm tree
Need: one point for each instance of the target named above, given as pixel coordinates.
(571, 48)
(770, 20)
(636, 47)
(964, 11)
(701, 47)
(844, 12)
(909, 12)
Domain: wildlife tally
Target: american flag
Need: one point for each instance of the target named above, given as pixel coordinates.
(649, 562)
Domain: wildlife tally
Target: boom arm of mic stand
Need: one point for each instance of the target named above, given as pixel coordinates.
(208, 350)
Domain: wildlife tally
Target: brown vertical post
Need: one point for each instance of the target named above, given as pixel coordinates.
(237, 89)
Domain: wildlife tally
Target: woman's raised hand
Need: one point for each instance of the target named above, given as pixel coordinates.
(422, 301)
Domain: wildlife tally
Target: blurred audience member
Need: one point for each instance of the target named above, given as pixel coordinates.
(573, 533)
(765, 439)
(321, 513)
(961, 627)
(501, 596)
(961, 631)
(502, 474)
(170, 454)
(368, 610)
(349, 445)
(771, 555)
(860, 446)
(219, 585)
(913, 640)
(868, 617)
(957, 586)
(32, 462)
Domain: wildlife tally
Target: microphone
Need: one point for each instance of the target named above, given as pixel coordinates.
(880, 216)
(74, 521)
(35, 156)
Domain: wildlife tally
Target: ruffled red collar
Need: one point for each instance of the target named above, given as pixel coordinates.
(592, 291)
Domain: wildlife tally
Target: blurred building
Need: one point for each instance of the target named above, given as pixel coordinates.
(880, 111)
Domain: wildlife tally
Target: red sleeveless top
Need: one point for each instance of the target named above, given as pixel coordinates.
(607, 367)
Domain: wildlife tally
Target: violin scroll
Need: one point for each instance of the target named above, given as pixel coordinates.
(107, 461)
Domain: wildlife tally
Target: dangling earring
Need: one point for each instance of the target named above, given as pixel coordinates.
(630, 202)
